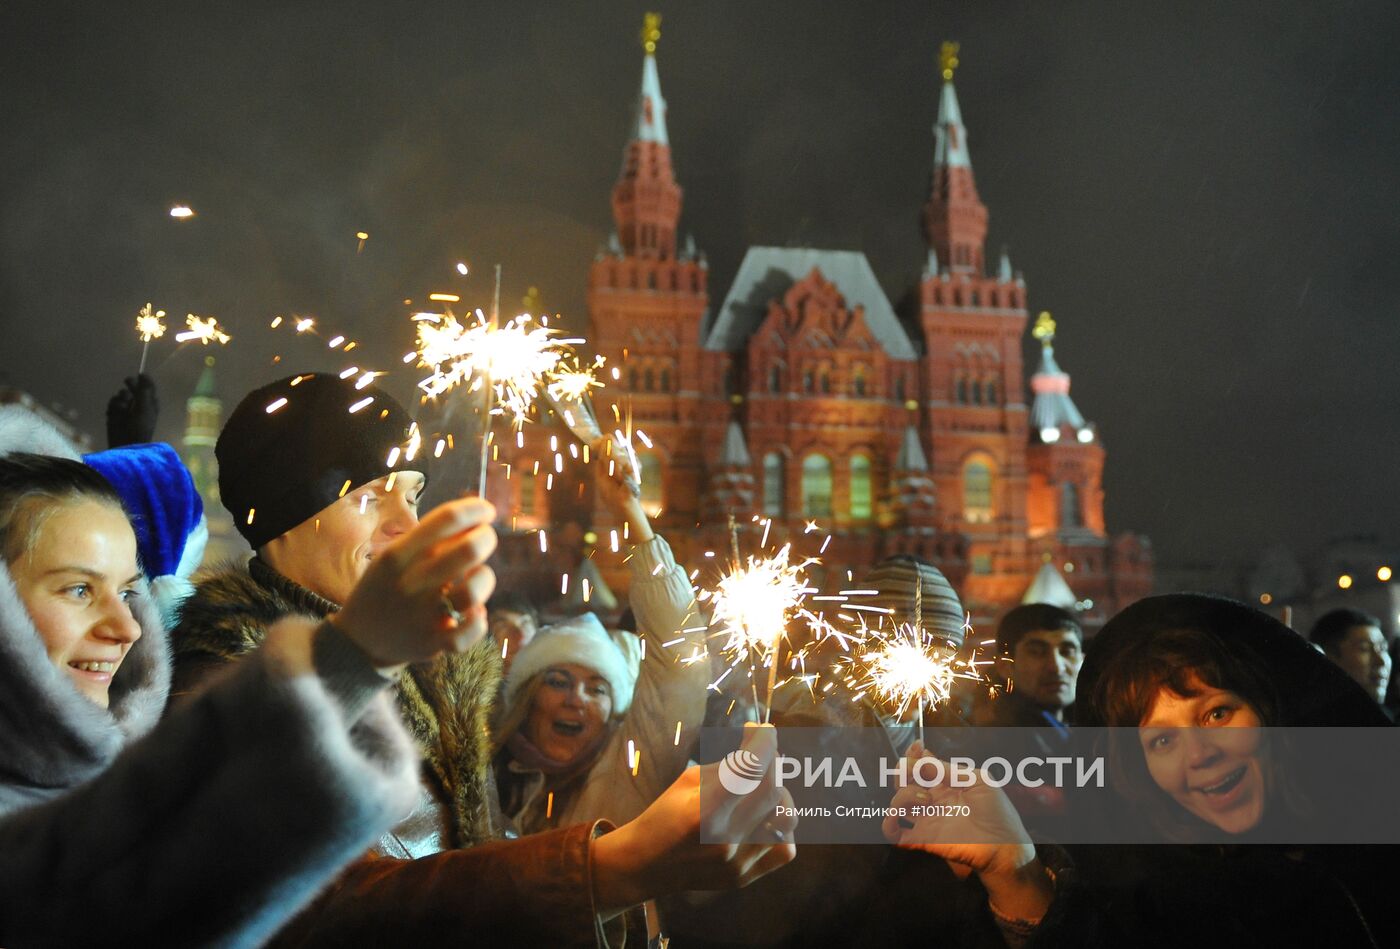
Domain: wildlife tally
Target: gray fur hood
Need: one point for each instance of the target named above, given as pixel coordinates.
(52, 737)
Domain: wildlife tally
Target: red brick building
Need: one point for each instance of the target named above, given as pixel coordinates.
(802, 395)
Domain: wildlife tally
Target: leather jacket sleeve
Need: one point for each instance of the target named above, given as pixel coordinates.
(532, 891)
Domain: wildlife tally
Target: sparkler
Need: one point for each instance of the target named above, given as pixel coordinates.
(511, 365)
(149, 327)
(204, 330)
(752, 605)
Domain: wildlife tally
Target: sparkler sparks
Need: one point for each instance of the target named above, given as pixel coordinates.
(205, 330)
(148, 323)
(753, 604)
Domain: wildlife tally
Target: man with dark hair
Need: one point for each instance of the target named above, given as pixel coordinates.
(1040, 649)
(1354, 641)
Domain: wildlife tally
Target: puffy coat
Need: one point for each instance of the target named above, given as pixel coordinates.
(120, 828)
(442, 875)
(663, 722)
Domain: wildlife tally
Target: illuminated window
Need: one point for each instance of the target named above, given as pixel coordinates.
(861, 501)
(526, 481)
(858, 381)
(773, 473)
(977, 491)
(816, 486)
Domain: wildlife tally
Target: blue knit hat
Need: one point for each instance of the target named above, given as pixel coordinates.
(166, 512)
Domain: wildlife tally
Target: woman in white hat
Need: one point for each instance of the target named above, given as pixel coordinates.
(596, 725)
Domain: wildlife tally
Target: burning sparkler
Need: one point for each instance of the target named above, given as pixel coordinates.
(204, 330)
(148, 327)
(752, 605)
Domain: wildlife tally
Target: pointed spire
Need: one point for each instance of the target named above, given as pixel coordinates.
(735, 453)
(651, 107)
(1004, 272)
(646, 199)
(601, 598)
(1049, 586)
(1053, 410)
(955, 219)
(911, 452)
(931, 267)
(204, 388)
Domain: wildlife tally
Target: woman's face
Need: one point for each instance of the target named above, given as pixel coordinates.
(1206, 751)
(77, 581)
(570, 710)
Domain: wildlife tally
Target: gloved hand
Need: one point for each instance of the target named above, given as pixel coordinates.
(132, 412)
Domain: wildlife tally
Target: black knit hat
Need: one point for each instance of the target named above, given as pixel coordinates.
(292, 448)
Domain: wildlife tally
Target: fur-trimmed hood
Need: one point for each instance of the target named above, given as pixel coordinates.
(51, 736)
(446, 704)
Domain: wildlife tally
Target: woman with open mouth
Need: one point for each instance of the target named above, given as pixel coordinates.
(1198, 695)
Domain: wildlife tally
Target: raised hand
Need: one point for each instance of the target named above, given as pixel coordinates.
(132, 412)
(663, 850)
(427, 591)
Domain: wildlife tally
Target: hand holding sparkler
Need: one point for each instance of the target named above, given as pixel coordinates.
(990, 841)
(148, 327)
(132, 412)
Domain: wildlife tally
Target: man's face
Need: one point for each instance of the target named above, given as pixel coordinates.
(330, 552)
(1364, 655)
(1045, 666)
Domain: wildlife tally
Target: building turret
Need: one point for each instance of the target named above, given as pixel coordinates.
(913, 500)
(1064, 457)
(955, 219)
(646, 199)
(730, 485)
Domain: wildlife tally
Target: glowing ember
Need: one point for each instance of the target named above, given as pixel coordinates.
(905, 668)
(205, 330)
(148, 323)
(754, 602)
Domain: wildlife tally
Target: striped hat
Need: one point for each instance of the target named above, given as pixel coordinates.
(902, 580)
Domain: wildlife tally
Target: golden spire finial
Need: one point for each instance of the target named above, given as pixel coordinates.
(1044, 327)
(651, 32)
(948, 59)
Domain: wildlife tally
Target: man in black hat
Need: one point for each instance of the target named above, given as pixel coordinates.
(320, 477)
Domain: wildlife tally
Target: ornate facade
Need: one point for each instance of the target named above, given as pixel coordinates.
(804, 396)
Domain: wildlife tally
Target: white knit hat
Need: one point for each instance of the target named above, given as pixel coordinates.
(581, 640)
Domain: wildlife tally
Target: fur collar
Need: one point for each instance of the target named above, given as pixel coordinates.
(51, 736)
(446, 703)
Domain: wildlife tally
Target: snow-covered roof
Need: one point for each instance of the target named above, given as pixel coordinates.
(769, 272)
(1050, 587)
(735, 452)
(1052, 408)
(911, 452)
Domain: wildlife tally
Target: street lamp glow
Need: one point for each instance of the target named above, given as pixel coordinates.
(181, 211)
(1049, 434)
(1344, 581)
(462, 269)
(1085, 436)
(1383, 574)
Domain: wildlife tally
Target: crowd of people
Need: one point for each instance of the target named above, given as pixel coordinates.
(354, 738)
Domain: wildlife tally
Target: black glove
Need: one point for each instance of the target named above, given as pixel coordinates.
(132, 412)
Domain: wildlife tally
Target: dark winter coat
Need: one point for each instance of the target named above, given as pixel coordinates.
(116, 830)
(1238, 894)
(442, 875)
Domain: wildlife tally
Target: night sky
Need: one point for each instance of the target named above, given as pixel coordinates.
(1205, 195)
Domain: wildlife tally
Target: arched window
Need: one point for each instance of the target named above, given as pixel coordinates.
(808, 380)
(632, 379)
(816, 486)
(826, 380)
(653, 487)
(978, 490)
(976, 392)
(992, 398)
(960, 389)
(774, 472)
(649, 379)
(775, 379)
(1071, 515)
(861, 499)
(525, 480)
(666, 379)
(858, 381)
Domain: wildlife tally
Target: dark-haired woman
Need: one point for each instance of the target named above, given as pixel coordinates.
(117, 830)
(1198, 691)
